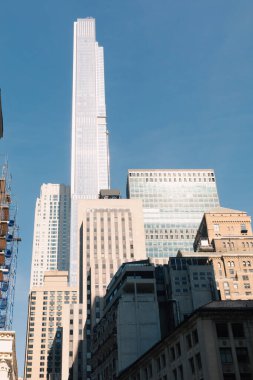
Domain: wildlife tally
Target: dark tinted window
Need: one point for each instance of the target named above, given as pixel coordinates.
(238, 331)
(242, 354)
(222, 330)
(226, 355)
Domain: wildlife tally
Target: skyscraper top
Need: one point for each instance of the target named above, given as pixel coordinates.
(86, 27)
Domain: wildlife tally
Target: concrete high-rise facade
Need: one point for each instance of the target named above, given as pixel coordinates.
(110, 232)
(51, 232)
(185, 284)
(130, 324)
(43, 358)
(89, 152)
(174, 201)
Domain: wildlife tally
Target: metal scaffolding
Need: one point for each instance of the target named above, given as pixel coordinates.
(9, 238)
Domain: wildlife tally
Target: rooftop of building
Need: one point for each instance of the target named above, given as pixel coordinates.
(224, 210)
(187, 254)
(228, 305)
(109, 194)
(171, 170)
(128, 265)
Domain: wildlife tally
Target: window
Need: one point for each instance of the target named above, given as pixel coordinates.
(226, 355)
(189, 341)
(150, 369)
(242, 355)
(238, 331)
(178, 347)
(191, 364)
(245, 376)
(243, 228)
(222, 330)
(163, 359)
(172, 353)
(195, 337)
(229, 376)
(181, 372)
(158, 364)
(216, 228)
(198, 361)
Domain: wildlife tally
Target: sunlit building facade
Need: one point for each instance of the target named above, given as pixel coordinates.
(51, 232)
(43, 356)
(89, 152)
(173, 204)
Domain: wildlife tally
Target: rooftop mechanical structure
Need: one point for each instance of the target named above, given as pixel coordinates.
(9, 239)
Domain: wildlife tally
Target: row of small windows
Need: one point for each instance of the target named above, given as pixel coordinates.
(177, 180)
(161, 237)
(232, 264)
(170, 174)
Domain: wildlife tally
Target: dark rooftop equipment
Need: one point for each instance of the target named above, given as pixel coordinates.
(109, 194)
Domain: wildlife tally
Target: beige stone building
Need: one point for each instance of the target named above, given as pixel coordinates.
(8, 360)
(43, 357)
(224, 230)
(110, 232)
(225, 235)
(215, 343)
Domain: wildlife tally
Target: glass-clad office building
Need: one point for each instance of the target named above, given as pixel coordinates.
(173, 202)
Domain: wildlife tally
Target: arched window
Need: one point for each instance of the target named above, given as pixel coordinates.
(244, 263)
(232, 264)
(219, 265)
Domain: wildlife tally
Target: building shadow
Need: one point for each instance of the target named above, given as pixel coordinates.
(54, 358)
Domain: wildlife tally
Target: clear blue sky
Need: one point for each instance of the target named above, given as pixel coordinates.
(179, 90)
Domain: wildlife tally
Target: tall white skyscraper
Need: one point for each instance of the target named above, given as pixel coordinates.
(90, 152)
(90, 155)
(51, 232)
